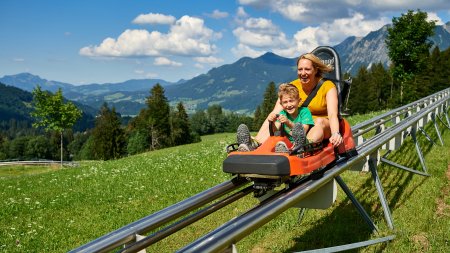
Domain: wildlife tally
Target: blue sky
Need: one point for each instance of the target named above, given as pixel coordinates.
(100, 41)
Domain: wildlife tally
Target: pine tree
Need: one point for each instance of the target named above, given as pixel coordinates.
(158, 118)
(443, 81)
(266, 107)
(270, 98)
(257, 122)
(181, 129)
(108, 135)
(357, 102)
(440, 72)
(138, 133)
(200, 123)
(377, 87)
(216, 118)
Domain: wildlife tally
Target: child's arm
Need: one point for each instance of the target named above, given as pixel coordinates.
(273, 120)
(283, 119)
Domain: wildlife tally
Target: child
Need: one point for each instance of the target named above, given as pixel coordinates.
(296, 120)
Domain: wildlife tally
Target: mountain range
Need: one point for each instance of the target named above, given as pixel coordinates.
(237, 87)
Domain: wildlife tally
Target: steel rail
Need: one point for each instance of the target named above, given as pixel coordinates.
(399, 110)
(368, 125)
(163, 233)
(128, 233)
(234, 230)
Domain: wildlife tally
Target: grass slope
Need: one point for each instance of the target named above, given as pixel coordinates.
(49, 210)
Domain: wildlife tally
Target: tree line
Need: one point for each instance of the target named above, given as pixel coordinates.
(155, 127)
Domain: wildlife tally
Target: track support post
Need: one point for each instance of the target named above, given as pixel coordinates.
(381, 195)
(356, 203)
(419, 151)
(427, 136)
(433, 117)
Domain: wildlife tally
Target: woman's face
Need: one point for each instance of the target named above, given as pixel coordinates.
(306, 71)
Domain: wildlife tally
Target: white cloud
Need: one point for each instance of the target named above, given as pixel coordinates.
(208, 60)
(249, 2)
(154, 18)
(317, 12)
(217, 14)
(402, 5)
(188, 36)
(333, 33)
(259, 35)
(240, 12)
(163, 61)
(433, 16)
(141, 72)
(151, 75)
(306, 39)
(260, 32)
(356, 25)
(242, 50)
(255, 3)
(294, 11)
(287, 52)
(18, 60)
(256, 35)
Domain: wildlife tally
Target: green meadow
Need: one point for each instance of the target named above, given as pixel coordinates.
(49, 209)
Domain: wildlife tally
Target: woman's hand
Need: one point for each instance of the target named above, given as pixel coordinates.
(336, 139)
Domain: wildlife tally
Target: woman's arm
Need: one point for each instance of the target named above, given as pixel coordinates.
(333, 112)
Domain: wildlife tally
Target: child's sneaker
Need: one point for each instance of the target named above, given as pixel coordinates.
(298, 133)
(243, 147)
(281, 147)
(243, 137)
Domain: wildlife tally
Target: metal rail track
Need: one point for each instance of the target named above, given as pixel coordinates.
(423, 110)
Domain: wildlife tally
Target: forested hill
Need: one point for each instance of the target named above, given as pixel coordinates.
(14, 103)
(15, 106)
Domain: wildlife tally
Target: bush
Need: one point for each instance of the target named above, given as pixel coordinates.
(17, 147)
(38, 147)
(137, 143)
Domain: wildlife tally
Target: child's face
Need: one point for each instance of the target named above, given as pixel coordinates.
(289, 103)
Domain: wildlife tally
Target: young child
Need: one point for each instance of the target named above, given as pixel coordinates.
(296, 120)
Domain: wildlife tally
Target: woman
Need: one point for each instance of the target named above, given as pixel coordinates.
(323, 107)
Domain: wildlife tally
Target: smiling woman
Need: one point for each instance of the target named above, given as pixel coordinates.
(323, 106)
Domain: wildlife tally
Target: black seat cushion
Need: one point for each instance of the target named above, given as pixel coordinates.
(275, 165)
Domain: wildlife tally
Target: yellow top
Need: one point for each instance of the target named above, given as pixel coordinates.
(318, 105)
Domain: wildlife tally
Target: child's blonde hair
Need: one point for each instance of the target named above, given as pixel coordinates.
(288, 89)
